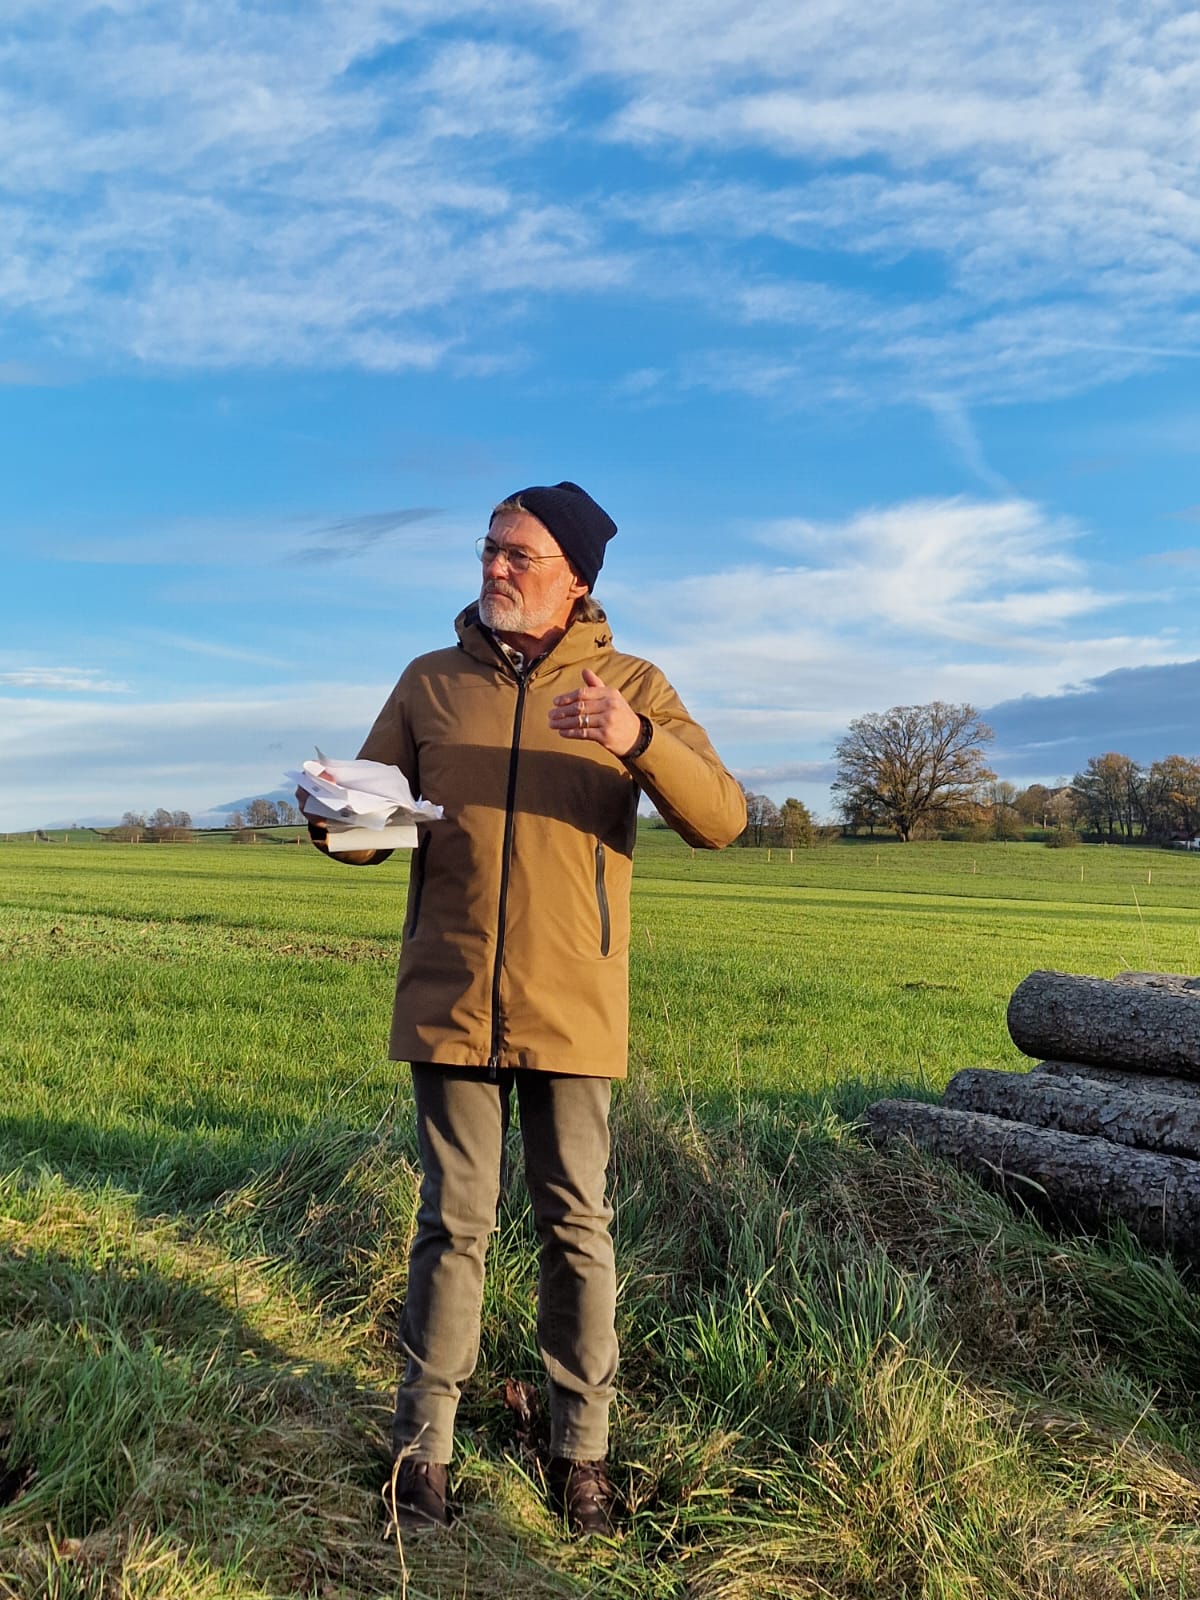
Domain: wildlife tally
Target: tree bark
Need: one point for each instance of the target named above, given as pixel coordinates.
(1069, 1018)
(1166, 982)
(1073, 1179)
(1101, 1111)
(1143, 1083)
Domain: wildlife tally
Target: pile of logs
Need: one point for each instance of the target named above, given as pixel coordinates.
(1106, 1125)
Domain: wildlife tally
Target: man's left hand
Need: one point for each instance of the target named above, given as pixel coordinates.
(598, 713)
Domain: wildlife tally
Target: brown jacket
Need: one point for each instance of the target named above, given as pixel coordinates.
(516, 938)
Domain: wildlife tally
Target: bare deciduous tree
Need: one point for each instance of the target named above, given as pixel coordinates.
(1109, 793)
(1171, 798)
(131, 827)
(915, 765)
(762, 816)
(261, 813)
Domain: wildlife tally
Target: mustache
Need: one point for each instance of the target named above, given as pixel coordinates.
(495, 586)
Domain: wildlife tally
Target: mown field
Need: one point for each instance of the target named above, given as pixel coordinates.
(845, 1373)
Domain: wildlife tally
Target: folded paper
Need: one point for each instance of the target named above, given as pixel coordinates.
(365, 805)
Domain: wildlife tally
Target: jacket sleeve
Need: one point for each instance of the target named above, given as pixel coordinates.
(680, 772)
(390, 740)
(391, 737)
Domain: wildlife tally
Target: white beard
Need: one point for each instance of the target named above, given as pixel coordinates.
(508, 613)
(501, 613)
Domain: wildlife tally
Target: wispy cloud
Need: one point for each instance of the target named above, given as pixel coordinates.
(62, 680)
(354, 536)
(271, 542)
(215, 649)
(954, 423)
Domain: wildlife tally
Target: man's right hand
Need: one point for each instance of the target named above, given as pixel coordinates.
(318, 833)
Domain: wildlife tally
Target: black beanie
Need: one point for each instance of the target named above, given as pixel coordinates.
(580, 526)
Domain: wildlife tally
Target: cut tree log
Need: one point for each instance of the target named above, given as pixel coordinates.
(1070, 1178)
(1167, 982)
(1071, 1018)
(1142, 1083)
(1121, 1115)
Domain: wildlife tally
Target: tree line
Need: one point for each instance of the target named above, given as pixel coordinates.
(264, 813)
(915, 770)
(172, 827)
(789, 825)
(161, 826)
(922, 770)
(1119, 798)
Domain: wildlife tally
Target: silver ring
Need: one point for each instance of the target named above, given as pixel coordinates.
(583, 721)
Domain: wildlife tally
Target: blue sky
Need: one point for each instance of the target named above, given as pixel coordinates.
(877, 329)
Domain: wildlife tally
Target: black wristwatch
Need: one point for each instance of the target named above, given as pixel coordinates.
(642, 742)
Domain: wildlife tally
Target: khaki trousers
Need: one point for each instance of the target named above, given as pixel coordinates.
(462, 1119)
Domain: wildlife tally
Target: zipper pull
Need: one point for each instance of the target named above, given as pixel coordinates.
(493, 1067)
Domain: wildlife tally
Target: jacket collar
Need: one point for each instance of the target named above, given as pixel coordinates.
(580, 642)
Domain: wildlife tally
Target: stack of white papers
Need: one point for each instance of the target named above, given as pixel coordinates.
(366, 805)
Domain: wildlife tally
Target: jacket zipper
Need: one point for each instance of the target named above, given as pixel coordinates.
(602, 899)
(505, 864)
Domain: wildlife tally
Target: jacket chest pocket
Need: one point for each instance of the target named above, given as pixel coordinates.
(602, 901)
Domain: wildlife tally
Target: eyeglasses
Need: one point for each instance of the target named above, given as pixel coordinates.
(517, 557)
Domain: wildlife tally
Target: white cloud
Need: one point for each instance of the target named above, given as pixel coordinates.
(957, 600)
(182, 754)
(941, 568)
(363, 183)
(1049, 179)
(945, 599)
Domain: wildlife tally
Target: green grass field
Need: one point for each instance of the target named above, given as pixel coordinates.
(844, 1373)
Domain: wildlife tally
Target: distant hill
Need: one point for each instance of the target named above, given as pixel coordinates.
(217, 816)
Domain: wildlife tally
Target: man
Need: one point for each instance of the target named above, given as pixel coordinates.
(536, 738)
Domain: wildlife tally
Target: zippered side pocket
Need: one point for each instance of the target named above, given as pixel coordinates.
(602, 900)
(417, 884)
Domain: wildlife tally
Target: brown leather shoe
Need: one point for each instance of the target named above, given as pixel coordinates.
(584, 1493)
(415, 1495)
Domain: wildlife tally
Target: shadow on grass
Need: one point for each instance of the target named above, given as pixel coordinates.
(185, 1159)
(141, 1394)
